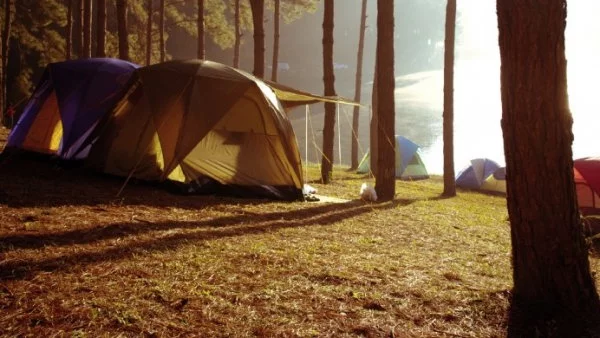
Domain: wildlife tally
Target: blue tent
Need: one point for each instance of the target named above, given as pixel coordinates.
(473, 176)
(70, 99)
(409, 164)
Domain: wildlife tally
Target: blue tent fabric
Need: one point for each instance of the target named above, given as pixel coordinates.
(85, 90)
(473, 176)
(407, 150)
(19, 131)
(500, 173)
(409, 165)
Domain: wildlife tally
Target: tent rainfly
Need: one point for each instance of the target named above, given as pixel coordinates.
(69, 100)
(202, 124)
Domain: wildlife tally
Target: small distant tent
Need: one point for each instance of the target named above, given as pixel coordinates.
(496, 182)
(71, 97)
(409, 165)
(199, 121)
(475, 175)
(587, 184)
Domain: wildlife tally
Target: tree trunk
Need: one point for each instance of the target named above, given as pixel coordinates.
(122, 29)
(358, 85)
(258, 14)
(101, 28)
(449, 180)
(374, 127)
(385, 177)
(161, 30)
(87, 29)
(81, 35)
(6, 31)
(238, 36)
(69, 30)
(275, 63)
(553, 289)
(149, 34)
(201, 29)
(2, 71)
(329, 84)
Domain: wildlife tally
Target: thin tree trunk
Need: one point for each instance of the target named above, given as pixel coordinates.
(101, 29)
(149, 34)
(258, 14)
(81, 34)
(6, 31)
(275, 60)
(329, 84)
(554, 293)
(69, 30)
(449, 180)
(201, 29)
(122, 29)
(358, 85)
(1, 76)
(161, 29)
(374, 127)
(87, 29)
(385, 177)
(238, 36)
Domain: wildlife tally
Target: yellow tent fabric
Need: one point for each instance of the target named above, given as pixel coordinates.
(190, 120)
(45, 133)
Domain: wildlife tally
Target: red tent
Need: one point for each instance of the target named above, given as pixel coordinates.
(587, 183)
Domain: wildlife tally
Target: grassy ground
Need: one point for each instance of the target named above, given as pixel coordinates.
(75, 260)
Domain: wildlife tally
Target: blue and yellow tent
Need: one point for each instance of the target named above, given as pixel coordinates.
(69, 100)
(409, 165)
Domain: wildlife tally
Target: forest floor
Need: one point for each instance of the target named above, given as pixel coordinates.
(76, 260)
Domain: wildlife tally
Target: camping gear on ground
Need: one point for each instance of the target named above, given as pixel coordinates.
(367, 192)
(587, 184)
(409, 165)
(474, 175)
(67, 103)
(185, 121)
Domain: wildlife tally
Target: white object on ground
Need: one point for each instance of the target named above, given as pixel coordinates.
(307, 190)
(368, 193)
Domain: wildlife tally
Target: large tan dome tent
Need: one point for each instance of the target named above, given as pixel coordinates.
(199, 121)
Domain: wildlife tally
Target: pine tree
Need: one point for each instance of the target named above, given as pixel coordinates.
(329, 83)
(449, 180)
(385, 176)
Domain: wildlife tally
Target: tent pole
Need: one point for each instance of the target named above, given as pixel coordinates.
(306, 143)
(337, 107)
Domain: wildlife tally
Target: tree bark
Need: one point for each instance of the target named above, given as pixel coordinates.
(358, 85)
(161, 30)
(385, 177)
(275, 63)
(69, 30)
(149, 34)
(553, 290)
(101, 28)
(201, 29)
(258, 14)
(2, 71)
(87, 29)
(329, 84)
(238, 36)
(374, 127)
(448, 128)
(122, 29)
(6, 31)
(81, 35)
